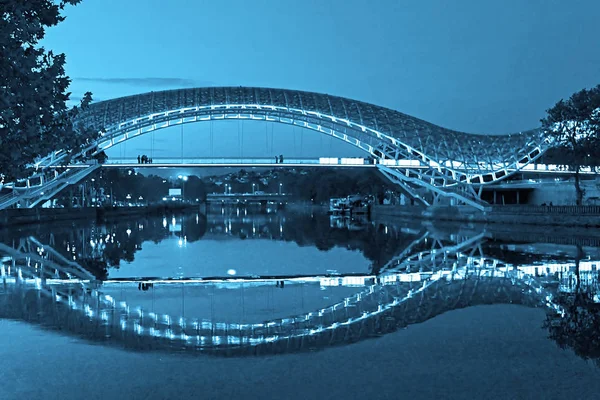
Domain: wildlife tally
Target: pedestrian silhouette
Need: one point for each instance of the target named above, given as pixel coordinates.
(280, 159)
(139, 159)
(276, 159)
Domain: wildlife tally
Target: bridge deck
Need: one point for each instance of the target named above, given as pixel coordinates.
(351, 162)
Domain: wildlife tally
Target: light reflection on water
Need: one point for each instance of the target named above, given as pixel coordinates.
(258, 284)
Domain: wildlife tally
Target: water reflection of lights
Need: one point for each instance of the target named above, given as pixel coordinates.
(317, 322)
(164, 222)
(230, 331)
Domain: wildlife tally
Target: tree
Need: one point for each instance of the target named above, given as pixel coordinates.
(195, 189)
(574, 125)
(579, 327)
(34, 118)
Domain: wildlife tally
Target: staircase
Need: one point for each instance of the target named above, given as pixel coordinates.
(458, 192)
(34, 196)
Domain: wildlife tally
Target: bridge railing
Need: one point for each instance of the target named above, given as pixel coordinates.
(198, 160)
(248, 194)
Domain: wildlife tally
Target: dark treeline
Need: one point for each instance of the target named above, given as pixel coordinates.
(317, 185)
(116, 185)
(101, 246)
(311, 184)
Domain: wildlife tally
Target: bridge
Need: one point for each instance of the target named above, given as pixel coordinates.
(453, 165)
(39, 286)
(262, 198)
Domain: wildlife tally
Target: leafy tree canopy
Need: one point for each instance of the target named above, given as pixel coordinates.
(574, 124)
(34, 119)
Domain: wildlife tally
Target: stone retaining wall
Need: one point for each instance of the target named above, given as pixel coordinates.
(513, 215)
(20, 216)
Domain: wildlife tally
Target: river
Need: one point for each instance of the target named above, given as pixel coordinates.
(247, 304)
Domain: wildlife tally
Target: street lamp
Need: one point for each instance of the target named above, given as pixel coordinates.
(280, 188)
(253, 190)
(184, 178)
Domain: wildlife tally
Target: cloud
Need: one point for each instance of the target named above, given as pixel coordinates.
(157, 82)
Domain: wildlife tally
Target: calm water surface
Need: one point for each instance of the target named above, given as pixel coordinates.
(243, 304)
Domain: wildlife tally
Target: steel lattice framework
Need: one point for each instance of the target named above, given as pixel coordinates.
(454, 162)
(451, 157)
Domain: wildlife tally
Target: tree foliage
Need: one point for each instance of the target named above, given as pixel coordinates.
(574, 124)
(34, 118)
(579, 328)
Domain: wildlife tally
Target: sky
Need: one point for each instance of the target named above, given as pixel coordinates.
(477, 66)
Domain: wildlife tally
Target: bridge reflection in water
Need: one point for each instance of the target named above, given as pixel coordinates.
(265, 315)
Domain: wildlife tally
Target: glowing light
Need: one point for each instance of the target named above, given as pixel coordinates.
(231, 272)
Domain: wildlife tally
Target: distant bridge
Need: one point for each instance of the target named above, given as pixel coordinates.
(262, 198)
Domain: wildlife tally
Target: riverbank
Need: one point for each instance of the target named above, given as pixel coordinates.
(23, 216)
(564, 216)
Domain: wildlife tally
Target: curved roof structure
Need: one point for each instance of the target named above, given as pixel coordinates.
(366, 122)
